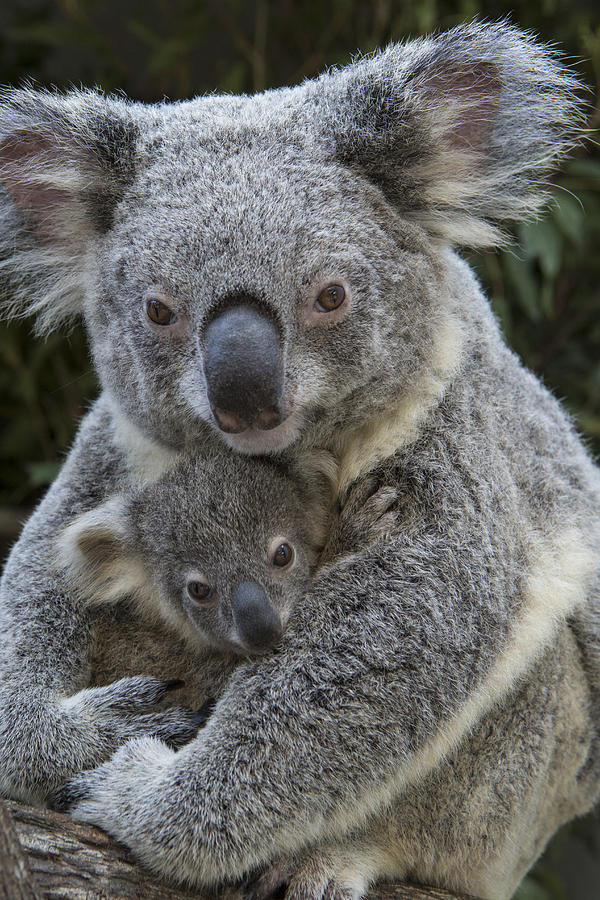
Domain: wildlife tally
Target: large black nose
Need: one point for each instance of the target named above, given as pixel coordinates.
(243, 366)
(258, 624)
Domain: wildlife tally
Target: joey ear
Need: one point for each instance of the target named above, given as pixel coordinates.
(96, 553)
(64, 164)
(457, 130)
(99, 535)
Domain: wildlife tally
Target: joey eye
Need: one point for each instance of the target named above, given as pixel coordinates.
(159, 313)
(330, 298)
(199, 591)
(282, 555)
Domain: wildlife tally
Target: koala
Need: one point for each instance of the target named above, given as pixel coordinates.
(219, 548)
(279, 275)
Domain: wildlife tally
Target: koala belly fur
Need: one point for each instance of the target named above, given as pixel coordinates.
(125, 644)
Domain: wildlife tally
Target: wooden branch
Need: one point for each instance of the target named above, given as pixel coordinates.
(16, 879)
(47, 856)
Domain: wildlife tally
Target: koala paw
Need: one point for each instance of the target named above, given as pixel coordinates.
(106, 795)
(45, 739)
(368, 512)
(315, 876)
(126, 709)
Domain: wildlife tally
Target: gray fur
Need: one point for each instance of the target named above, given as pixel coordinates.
(217, 518)
(65, 163)
(52, 722)
(434, 701)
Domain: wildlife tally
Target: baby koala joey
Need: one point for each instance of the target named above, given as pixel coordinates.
(221, 547)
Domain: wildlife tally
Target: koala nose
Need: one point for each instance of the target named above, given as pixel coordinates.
(243, 366)
(258, 624)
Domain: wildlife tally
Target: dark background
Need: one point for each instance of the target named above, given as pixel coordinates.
(545, 288)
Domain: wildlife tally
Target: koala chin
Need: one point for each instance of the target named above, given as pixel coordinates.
(276, 306)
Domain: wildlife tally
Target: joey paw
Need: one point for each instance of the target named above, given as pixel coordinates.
(127, 709)
(368, 513)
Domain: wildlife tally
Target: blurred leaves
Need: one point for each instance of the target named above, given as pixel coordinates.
(541, 886)
(545, 290)
(44, 389)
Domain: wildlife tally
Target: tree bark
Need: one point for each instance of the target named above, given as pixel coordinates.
(47, 856)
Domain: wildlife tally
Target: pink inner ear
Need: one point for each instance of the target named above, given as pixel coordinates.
(23, 156)
(472, 99)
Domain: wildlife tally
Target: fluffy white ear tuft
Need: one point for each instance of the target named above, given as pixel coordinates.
(458, 130)
(64, 163)
(95, 554)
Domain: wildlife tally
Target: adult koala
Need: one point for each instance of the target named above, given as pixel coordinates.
(276, 271)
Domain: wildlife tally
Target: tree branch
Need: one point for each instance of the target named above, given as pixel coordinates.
(47, 856)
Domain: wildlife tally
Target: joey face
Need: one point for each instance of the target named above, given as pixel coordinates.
(245, 616)
(228, 549)
(258, 293)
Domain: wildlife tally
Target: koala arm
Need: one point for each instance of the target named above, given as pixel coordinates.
(391, 659)
(51, 724)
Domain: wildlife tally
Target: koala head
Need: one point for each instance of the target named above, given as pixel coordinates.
(220, 547)
(272, 265)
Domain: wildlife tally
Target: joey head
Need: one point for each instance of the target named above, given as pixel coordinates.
(221, 548)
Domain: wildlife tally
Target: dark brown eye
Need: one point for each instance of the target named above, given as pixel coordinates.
(330, 298)
(282, 555)
(159, 313)
(199, 591)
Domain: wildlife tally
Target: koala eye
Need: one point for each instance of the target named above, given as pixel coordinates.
(282, 555)
(199, 591)
(159, 313)
(330, 298)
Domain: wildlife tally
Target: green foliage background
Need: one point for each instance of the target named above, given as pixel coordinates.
(545, 289)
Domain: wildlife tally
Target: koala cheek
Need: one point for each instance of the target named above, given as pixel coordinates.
(285, 611)
(193, 392)
(311, 383)
(205, 625)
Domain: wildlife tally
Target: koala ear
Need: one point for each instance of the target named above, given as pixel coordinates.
(95, 552)
(457, 130)
(64, 164)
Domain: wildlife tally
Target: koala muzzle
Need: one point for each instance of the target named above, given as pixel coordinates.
(258, 624)
(243, 366)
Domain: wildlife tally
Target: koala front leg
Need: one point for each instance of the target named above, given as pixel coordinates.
(46, 737)
(51, 724)
(391, 659)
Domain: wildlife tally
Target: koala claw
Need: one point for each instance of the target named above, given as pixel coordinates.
(368, 513)
(63, 798)
(202, 715)
(268, 884)
(126, 709)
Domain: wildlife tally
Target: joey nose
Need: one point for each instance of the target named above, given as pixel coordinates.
(243, 366)
(258, 623)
